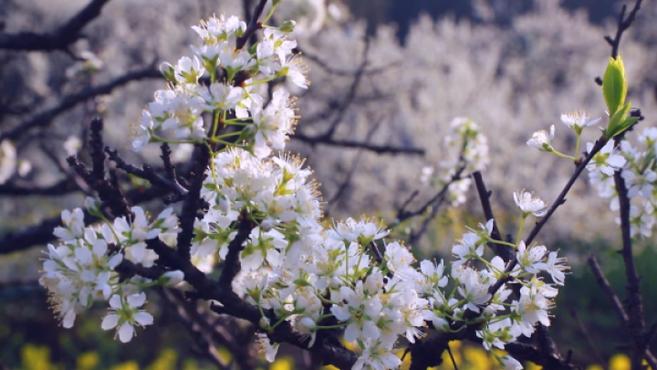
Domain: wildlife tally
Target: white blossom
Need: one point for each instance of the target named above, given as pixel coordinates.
(578, 120)
(542, 140)
(529, 204)
(125, 314)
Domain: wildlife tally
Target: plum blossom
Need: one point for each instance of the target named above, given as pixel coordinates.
(607, 160)
(578, 120)
(125, 314)
(529, 204)
(542, 140)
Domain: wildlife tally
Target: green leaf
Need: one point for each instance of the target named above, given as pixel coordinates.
(620, 121)
(614, 85)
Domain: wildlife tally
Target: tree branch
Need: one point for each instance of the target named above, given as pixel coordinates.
(41, 233)
(60, 38)
(147, 173)
(231, 266)
(623, 24)
(192, 202)
(353, 144)
(61, 187)
(253, 25)
(230, 303)
(616, 302)
(561, 199)
(45, 117)
(484, 197)
(634, 302)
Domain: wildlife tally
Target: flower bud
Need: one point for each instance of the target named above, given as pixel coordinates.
(614, 85)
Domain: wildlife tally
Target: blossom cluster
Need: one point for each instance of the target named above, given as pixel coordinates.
(466, 151)
(82, 267)
(224, 84)
(638, 168)
(348, 277)
(343, 278)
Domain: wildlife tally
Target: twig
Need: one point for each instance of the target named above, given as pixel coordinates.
(253, 25)
(616, 302)
(147, 173)
(623, 24)
(353, 144)
(587, 336)
(350, 173)
(108, 191)
(197, 325)
(436, 200)
(451, 357)
(606, 287)
(41, 233)
(344, 72)
(351, 93)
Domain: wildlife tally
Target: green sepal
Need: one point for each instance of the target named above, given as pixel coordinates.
(620, 121)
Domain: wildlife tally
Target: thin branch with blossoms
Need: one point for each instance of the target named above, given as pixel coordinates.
(559, 200)
(484, 197)
(632, 315)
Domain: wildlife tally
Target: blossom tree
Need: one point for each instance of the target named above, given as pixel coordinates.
(239, 228)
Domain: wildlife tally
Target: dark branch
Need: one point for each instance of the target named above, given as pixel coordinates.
(351, 93)
(403, 214)
(606, 287)
(231, 304)
(484, 198)
(60, 38)
(45, 117)
(61, 187)
(253, 25)
(147, 173)
(232, 265)
(342, 188)
(344, 72)
(107, 188)
(41, 233)
(623, 24)
(634, 302)
(192, 202)
(616, 302)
